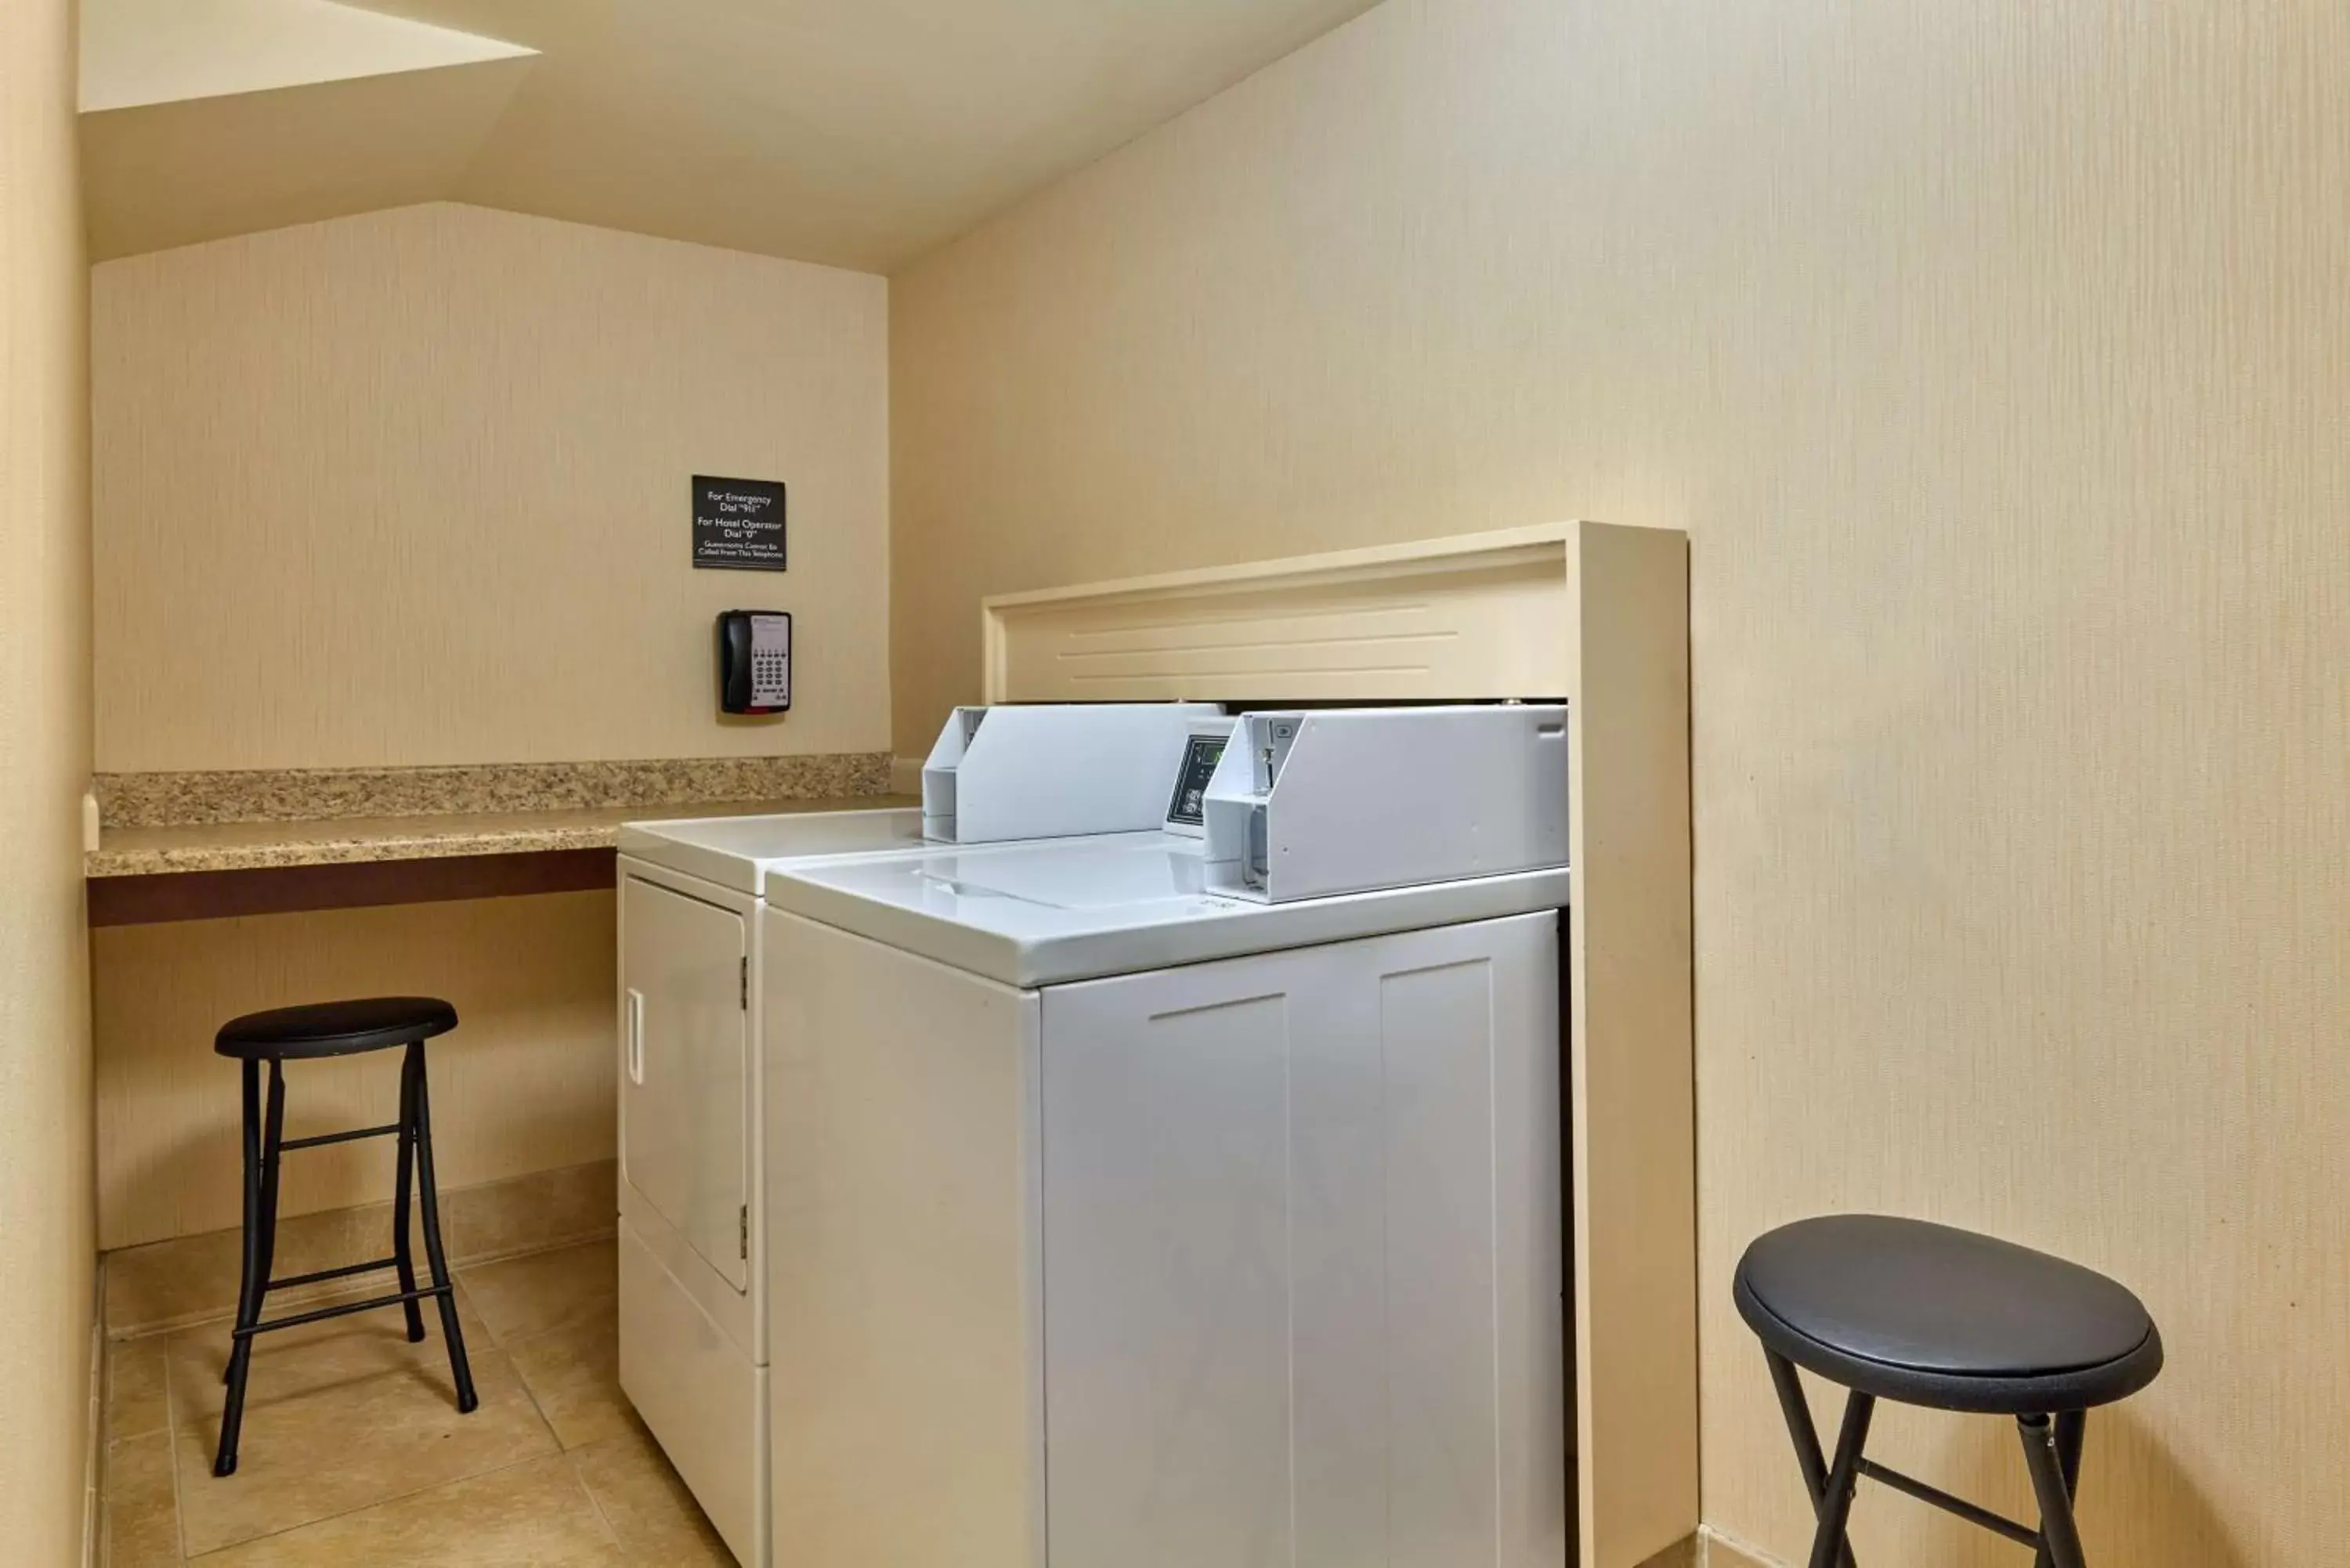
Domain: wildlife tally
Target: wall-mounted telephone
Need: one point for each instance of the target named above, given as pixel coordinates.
(755, 661)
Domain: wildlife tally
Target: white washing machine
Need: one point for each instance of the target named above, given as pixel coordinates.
(693, 1224)
(1117, 1221)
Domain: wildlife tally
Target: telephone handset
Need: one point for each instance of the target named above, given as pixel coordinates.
(755, 661)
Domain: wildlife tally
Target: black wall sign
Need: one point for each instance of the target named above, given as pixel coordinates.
(738, 523)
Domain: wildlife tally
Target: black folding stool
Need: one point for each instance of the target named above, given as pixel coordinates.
(308, 1033)
(1925, 1314)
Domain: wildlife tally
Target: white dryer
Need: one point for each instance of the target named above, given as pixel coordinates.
(693, 1328)
(1120, 1222)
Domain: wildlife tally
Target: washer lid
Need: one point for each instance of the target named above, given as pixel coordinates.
(1040, 914)
(732, 851)
(1136, 874)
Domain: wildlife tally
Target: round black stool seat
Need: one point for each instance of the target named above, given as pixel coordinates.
(1929, 1315)
(334, 1028)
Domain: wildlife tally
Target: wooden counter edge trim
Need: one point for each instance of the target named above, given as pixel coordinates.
(150, 898)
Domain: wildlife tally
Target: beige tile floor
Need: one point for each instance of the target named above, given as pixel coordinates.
(353, 1451)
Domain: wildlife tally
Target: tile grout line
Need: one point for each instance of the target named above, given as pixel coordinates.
(531, 1394)
(457, 1281)
(570, 1455)
(377, 1502)
(171, 1431)
(498, 1343)
(571, 1458)
(506, 1345)
(566, 1455)
(368, 1506)
(171, 1455)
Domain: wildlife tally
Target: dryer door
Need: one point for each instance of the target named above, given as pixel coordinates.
(685, 1078)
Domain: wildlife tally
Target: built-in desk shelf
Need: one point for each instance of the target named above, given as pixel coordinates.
(168, 855)
(142, 875)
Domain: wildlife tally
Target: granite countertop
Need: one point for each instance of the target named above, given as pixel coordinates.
(161, 823)
(252, 846)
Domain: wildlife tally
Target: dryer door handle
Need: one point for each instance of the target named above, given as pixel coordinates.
(636, 1042)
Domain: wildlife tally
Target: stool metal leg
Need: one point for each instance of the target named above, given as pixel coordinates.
(273, 1136)
(258, 1249)
(1806, 1436)
(1844, 1477)
(428, 1199)
(246, 1289)
(402, 1256)
(2045, 1456)
(2071, 1427)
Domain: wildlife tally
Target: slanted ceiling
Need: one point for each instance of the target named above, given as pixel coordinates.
(859, 134)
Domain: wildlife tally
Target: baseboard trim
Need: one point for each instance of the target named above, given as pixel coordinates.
(94, 1440)
(1719, 1551)
(193, 1279)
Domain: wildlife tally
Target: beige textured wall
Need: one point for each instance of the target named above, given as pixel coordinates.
(44, 1100)
(1995, 357)
(411, 487)
(524, 1085)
